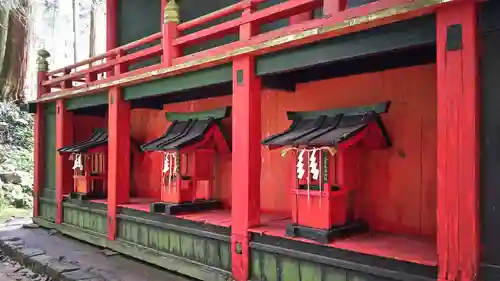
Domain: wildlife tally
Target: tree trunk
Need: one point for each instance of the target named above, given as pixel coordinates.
(75, 58)
(13, 58)
(92, 31)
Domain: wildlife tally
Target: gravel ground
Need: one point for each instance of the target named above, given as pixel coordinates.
(11, 270)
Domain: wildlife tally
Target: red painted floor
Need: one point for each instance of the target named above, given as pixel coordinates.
(412, 249)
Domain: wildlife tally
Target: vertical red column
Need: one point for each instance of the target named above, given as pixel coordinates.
(64, 137)
(458, 142)
(331, 7)
(171, 19)
(38, 171)
(300, 17)
(246, 156)
(111, 24)
(118, 156)
(246, 161)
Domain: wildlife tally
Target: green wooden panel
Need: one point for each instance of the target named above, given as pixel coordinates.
(47, 210)
(175, 243)
(255, 268)
(212, 257)
(415, 32)
(289, 269)
(86, 101)
(49, 146)
(199, 249)
(191, 9)
(269, 267)
(187, 246)
(130, 30)
(334, 274)
(85, 219)
(275, 24)
(225, 255)
(266, 266)
(310, 271)
(164, 240)
(177, 83)
(153, 238)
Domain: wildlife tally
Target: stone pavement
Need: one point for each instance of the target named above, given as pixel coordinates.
(63, 258)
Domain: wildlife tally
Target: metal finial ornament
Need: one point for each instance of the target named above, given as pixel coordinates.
(172, 12)
(41, 61)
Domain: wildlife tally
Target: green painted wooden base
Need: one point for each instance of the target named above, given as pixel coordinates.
(188, 207)
(168, 261)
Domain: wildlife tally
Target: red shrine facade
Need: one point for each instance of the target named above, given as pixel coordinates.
(280, 140)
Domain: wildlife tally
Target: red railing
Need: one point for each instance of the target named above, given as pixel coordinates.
(174, 37)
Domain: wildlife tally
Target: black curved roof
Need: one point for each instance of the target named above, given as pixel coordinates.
(180, 134)
(327, 128)
(97, 139)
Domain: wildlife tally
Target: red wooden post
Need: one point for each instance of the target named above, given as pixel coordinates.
(300, 17)
(111, 29)
(458, 142)
(246, 155)
(64, 137)
(171, 19)
(111, 24)
(331, 7)
(118, 156)
(246, 161)
(43, 68)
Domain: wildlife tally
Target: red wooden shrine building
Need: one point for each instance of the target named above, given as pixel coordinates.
(281, 140)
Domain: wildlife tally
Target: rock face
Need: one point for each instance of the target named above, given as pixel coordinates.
(16, 157)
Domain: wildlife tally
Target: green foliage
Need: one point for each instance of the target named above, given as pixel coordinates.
(16, 156)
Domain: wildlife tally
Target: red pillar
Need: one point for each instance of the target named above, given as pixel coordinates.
(118, 156)
(331, 7)
(171, 19)
(64, 137)
(458, 142)
(300, 17)
(111, 24)
(38, 170)
(246, 160)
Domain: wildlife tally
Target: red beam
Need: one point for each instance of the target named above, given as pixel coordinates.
(64, 137)
(118, 156)
(458, 142)
(246, 163)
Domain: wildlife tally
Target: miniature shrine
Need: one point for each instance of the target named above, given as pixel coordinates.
(189, 148)
(269, 152)
(328, 147)
(90, 160)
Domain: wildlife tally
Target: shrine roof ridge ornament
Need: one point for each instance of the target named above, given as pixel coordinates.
(329, 127)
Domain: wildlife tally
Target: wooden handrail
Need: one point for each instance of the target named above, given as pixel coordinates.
(111, 53)
(266, 15)
(101, 68)
(117, 57)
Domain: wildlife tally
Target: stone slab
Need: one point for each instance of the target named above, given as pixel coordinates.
(79, 275)
(56, 268)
